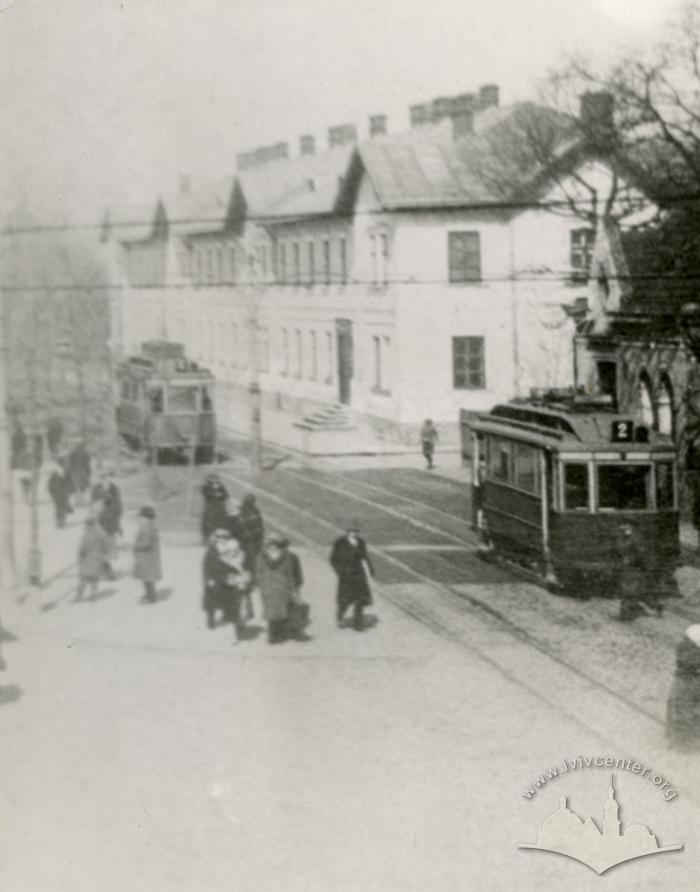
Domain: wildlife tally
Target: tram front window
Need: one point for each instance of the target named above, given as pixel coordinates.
(576, 487)
(624, 487)
(182, 399)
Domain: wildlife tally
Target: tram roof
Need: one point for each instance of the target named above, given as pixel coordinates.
(569, 428)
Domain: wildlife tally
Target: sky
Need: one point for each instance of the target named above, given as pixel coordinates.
(112, 100)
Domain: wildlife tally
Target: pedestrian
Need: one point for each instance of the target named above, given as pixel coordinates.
(299, 612)
(214, 496)
(54, 435)
(631, 575)
(107, 504)
(59, 491)
(252, 537)
(237, 581)
(683, 708)
(428, 438)
(79, 469)
(93, 549)
(353, 568)
(225, 580)
(214, 576)
(277, 585)
(147, 562)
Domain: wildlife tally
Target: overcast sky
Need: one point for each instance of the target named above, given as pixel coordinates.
(102, 99)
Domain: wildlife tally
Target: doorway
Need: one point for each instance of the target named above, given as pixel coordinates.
(343, 331)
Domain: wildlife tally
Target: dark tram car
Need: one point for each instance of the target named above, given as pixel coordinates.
(557, 481)
(166, 404)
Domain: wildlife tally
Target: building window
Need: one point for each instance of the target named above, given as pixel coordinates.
(312, 263)
(283, 263)
(298, 354)
(297, 263)
(198, 266)
(464, 250)
(377, 358)
(381, 348)
(581, 252)
(607, 378)
(285, 351)
(263, 261)
(234, 345)
(386, 364)
(232, 263)
(373, 256)
(327, 261)
(383, 259)
(313, 353)
(219, 264)
(646, 401)
(263, 358)
(468, 363)
(210, 265)
(343, 247)
(329, 357)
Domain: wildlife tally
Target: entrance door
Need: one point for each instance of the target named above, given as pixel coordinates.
(343, 329)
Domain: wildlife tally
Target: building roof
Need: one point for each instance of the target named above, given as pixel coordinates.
(502, 161)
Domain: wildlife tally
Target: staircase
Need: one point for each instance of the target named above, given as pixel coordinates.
(332, 418)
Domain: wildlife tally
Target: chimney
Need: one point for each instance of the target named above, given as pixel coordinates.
(307, 144)
(185, 184)
(488, 96)
(596, 115)
(341, 135)
(377, 125)
(440, 108)
(420, 114)
(462, 114)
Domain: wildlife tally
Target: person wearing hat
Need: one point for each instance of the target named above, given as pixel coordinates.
(106, 501)
(94, 548)
(225, 580)
(353, 568)
(214, 496)
(147, 563)
(683, 708)
(277, 587)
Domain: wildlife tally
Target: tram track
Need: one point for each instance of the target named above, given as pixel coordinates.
(455, 597)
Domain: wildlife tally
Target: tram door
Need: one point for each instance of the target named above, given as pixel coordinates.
(343, 328)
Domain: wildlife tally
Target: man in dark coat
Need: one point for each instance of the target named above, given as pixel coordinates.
(110, 511)
(59, 490)
(252, 529)
(428, 438)
(353, 568)
(214, 496)
(79, 467)
(683, 710)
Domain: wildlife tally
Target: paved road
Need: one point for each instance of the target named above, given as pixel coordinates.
(148, 753)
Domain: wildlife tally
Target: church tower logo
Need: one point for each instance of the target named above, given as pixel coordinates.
(564, 833)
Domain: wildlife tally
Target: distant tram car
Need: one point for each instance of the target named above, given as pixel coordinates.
(557, 480)
(166, 403)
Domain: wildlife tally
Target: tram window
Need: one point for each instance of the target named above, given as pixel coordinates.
(156, 398)
(182, 399)
(576, 487)
(664, 484)
(526, 467)
(499, 459)
(624, 487)
(206, 400)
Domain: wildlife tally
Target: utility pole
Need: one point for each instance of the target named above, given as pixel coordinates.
(254, 385)
(34, 557)
(8, 569)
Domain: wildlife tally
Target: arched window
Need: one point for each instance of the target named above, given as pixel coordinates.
(664, 406)
(646, 401)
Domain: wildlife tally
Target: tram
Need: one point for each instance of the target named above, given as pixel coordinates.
(556, 480)
(166, 404)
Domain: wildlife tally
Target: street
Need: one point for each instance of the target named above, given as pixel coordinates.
(144, 751)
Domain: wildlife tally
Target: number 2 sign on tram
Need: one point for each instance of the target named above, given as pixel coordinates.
(622, 431)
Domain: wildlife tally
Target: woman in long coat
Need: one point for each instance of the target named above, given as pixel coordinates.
(94, 548)
(353, 568)
(59, 490)
(276, 581)
(683, 709)
(214, 496)
(147, 563)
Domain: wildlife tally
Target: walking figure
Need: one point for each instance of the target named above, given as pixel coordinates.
(94, 548)
(147, 563)
(428, 437)
(59, 490)
(353, 568)
(277, 587)
(107, 504)
(299, 610)
(79, 469)
(214, 496)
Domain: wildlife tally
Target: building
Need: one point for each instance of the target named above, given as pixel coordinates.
(405, 276)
